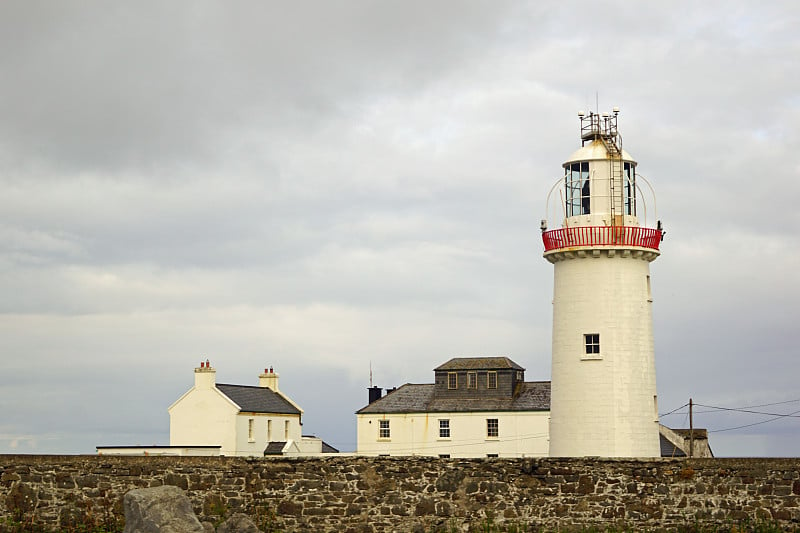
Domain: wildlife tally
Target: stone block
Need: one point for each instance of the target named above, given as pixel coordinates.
(159, 510)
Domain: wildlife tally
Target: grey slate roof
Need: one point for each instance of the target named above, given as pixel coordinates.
(274, 448)
(327, 448)
(479, 363)
(410, 398)
(257, 399)
(668, 449)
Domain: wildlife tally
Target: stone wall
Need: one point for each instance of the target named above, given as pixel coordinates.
(411, 494)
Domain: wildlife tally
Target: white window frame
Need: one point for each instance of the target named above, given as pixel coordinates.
(489, 375)
(492, 424)
(384, 431)
(444, 429)
(591, 346)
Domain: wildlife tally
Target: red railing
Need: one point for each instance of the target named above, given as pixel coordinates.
(581, 236)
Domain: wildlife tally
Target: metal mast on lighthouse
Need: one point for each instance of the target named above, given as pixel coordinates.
(603, 399)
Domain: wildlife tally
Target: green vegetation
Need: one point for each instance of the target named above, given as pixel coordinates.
(488, 525)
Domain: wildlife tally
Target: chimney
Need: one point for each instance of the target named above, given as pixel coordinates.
(374, 393)
(205, 377)
(268, 379)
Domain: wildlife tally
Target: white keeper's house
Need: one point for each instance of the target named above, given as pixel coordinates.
(243, 420)
(476, 407)
(214, 419)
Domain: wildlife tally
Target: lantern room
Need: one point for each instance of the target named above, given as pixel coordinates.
(600, 200)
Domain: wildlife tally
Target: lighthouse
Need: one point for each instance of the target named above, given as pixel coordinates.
(603, 397)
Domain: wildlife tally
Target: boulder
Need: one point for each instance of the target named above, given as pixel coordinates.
(238, 523)
(164, 509)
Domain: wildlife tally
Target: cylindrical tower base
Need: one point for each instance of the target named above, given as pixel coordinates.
(603, 400)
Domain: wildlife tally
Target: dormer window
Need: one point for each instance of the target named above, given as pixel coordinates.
(472, 380)
(452, 380)
(491, 379)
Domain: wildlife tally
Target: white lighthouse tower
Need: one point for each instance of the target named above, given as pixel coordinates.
(603, 400)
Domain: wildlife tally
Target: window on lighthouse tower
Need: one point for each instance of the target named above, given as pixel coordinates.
(630, 188)
(592, 341)
(576, 181)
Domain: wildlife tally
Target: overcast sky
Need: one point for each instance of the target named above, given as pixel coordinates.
(323, 186)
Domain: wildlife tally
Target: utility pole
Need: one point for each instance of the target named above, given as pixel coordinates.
(691, 429)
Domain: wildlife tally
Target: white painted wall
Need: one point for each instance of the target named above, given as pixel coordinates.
(603, 405)
(521, 434)
(193, 451)
(255, 446)
(204, 416)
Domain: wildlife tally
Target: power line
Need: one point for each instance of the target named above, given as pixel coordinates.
(780, 415)
(755, 423)
(678, 409)
(746, 409)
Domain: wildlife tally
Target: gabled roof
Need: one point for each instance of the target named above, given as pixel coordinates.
(479, 363)
(532, 396)
(257, 399)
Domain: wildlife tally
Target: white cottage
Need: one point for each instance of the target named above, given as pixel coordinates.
(242, 420)
(477, 407)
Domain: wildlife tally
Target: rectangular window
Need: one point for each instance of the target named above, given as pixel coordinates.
(444, 456)
(491, 455)
(472, 380)
(520, 375)
(576, 182)
(452, 380)
(592, 341)
(286, 430)
(444, 429)
(630, 188)
(269, 430)
(492, 428)
(383, 432)
(491, 379)
(250, 434)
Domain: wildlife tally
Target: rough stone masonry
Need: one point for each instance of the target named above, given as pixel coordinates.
(411, 493)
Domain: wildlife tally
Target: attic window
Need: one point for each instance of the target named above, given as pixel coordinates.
(452, 380)
(472, 380)
(491, 379)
